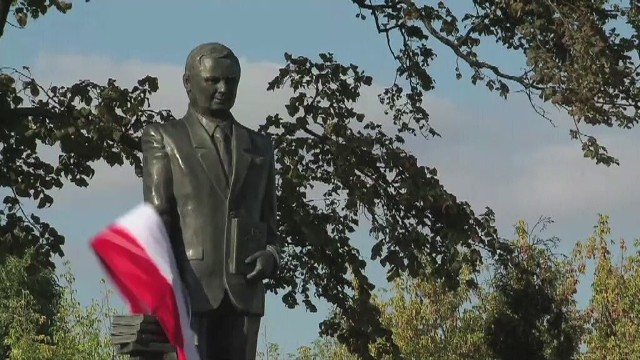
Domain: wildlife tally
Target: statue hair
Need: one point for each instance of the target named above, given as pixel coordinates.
(213, 49)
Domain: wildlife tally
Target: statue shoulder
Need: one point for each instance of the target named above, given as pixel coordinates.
(161, 130)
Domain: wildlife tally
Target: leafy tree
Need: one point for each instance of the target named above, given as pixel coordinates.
(322, 348)
(24, 9)
(72, 332)
(613, 312)
(431, 321)
(525, 309)
(84, 122)
(83, 332)
(408, 206)
(415, 224)
(28, 298)
(87, 122)
(580, 56)
(531, 310)
(575, 60)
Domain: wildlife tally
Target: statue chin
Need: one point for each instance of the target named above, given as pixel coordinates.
(213, 109)
(217, 105)
(219, 108)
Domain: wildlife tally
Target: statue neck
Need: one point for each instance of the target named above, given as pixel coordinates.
(216, 116)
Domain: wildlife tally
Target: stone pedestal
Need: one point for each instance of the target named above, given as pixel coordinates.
(141, 338)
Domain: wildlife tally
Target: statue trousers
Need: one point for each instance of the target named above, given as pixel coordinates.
(225, 334)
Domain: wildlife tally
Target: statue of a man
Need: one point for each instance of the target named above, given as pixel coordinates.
(212, 181)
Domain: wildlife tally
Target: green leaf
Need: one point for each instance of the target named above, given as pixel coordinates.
(33, 89)
(21, 19)
(45, 201)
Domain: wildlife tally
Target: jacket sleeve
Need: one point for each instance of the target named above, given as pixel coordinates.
(156, 174)
(270, 209)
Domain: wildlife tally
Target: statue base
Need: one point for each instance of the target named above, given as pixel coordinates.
(141, 338)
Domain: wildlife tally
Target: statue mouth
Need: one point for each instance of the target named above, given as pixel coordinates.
(221, 99)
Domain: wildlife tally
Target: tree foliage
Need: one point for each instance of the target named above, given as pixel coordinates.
(577, 58)
(613, 312)
(57, 327)
(525, 309)
(323, 348)
(430, 320)
(361, 171)
(51, 136)
(581, 56)
(531, 311)
(85, 122)
(29, 295)
(22, 10)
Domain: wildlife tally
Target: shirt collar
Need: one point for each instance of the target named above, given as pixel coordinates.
(210, 124)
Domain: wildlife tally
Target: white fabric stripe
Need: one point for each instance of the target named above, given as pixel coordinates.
(146, 226)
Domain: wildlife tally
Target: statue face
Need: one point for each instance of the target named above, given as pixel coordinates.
(212, 85)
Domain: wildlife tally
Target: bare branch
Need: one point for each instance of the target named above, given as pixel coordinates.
(475, 63)
(5, 6)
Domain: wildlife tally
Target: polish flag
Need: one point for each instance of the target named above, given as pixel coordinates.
(137, 255)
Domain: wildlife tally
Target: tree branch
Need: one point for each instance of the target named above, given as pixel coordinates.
(475, 63)
(5, 6)
(23, 112)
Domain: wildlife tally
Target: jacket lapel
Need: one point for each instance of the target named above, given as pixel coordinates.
(207, 154)
(241, 148)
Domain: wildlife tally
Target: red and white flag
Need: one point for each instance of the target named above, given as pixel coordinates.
(136, 253)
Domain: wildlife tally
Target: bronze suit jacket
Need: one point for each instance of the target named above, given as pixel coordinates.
(184, 180)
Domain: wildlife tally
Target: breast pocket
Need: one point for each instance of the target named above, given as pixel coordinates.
(257, 160)
(258, 167)
(255, 181)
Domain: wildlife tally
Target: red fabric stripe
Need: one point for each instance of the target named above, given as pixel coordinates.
(139, 280)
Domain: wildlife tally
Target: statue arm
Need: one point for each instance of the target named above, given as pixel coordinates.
(269, 211)
(156, 174)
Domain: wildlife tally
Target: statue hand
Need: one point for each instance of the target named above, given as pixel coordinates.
(265, 262)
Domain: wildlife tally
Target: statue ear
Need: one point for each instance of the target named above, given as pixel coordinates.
(186, 82)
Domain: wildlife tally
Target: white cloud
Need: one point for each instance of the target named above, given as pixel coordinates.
(253, 104)
(571, 183)
(79, 213)
(505, 157)
(492, 153)
(497, 154)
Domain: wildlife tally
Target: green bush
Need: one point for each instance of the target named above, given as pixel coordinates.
(41, 317)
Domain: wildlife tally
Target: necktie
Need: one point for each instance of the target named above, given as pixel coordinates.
(223, 142)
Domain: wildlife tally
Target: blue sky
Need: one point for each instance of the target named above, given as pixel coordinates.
(493, 153)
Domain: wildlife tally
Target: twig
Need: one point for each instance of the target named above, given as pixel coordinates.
(5, 6)
(475, 63)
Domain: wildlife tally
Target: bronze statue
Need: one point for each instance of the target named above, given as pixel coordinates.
(212, 180)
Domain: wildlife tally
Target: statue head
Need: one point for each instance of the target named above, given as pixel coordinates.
(211, 78)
